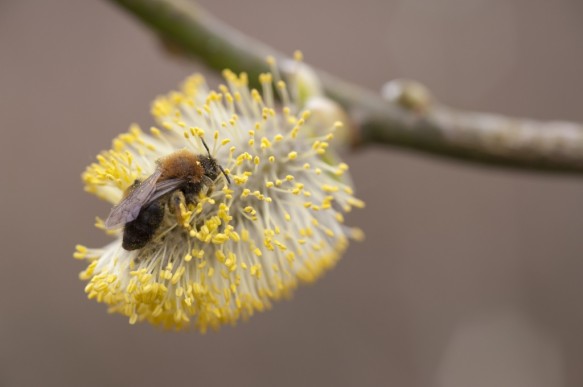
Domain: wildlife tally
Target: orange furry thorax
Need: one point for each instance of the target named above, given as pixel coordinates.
(181, 164)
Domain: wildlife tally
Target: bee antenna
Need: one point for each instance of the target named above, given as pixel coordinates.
(226, 177)
(220, 167)
(205, 146)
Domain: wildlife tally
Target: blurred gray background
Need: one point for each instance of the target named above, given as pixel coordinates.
(469, 276)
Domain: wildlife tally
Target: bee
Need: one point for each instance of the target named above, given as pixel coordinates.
(179, 177)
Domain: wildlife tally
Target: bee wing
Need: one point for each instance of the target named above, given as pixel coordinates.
(129, 208)
(165, 187)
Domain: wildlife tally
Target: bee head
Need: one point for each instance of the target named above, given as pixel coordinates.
(211, 168)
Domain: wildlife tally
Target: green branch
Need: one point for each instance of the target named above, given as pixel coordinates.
(408, 119)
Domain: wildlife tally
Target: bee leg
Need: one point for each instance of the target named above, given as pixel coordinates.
(178, 203)
(209, 183)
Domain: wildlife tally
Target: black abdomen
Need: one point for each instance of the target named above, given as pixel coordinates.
(140, 231)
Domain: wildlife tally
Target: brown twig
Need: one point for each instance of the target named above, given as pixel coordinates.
(429, 127)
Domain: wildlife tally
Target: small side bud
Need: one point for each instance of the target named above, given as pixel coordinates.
(408, 94)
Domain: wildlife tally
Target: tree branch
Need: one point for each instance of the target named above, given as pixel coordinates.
(417, 124)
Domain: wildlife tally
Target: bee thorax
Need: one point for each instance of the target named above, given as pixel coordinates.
(181, 164)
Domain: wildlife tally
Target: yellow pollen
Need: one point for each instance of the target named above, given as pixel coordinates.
(265, 78)
(330, 188)
(81, 252)
(265, 143)
(235, 248)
